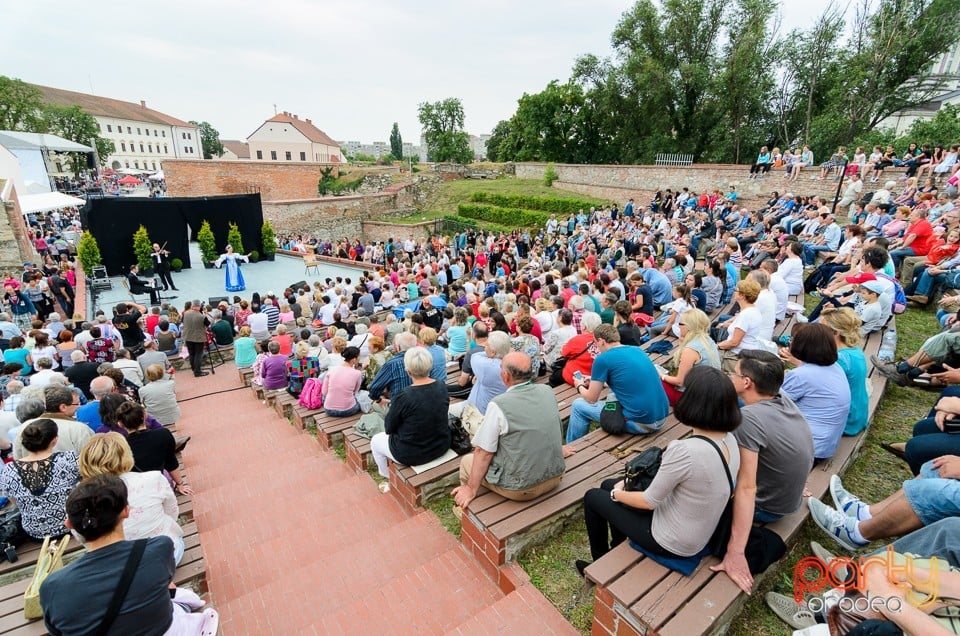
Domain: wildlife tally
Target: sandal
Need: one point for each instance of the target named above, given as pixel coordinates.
(891, 447)
(789, 611)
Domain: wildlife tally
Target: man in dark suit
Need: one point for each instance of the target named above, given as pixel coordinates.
(140, 286)
(161, 263)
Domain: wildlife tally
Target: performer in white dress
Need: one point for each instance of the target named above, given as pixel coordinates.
(234, 277)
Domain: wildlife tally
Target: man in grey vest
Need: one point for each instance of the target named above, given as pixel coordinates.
(194, 331)
(518, 449)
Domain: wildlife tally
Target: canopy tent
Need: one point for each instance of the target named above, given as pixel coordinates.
(40, 141)
(47, 202)
(156, 177)
(129, 180)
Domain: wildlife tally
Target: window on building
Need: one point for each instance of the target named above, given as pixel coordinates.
(129, 132)
(138, 131)
(259, 154)
(164, 132)
(273, 155)
(165, 151)
(141, 147)
(289, 155)
(109, 128)
(136, 164)
(59, 167)
(126, 164)
(155, 134)
(123, 146)
(149, 147)
(154, 164)
(303, 156)
(189, 135)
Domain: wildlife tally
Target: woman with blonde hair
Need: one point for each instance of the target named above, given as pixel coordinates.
(153, 504)
(159, 395)
(696, 349)
(378, 355)
(744, 330)
(427, 339)
(846, 331)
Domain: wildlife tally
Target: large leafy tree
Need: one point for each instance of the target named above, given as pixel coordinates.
(20, 105)
(71, 122)
(442, 123)
(396, 142)
(209, 139)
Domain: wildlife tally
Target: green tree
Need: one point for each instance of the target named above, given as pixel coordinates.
(142, 248)
(396, 142)
(268, 238)
(942, 129)
(88, 251)
(234, 239)
(20, 105)
(442, 123)
(207, 242)
(496, 149)
(71, 122)
(327, 181)
(209, 139)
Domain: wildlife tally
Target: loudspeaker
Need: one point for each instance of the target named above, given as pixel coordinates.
(300, 284)
(215, 300)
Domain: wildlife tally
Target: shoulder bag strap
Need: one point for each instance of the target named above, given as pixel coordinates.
(723, 460)
(119, 594)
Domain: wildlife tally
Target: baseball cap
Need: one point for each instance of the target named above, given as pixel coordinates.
(860, 279)
(873, 285)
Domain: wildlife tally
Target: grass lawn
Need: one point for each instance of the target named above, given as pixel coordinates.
(443, 198)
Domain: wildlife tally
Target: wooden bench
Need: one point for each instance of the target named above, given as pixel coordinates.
(246, 375)
(635, 595)
(283, 404)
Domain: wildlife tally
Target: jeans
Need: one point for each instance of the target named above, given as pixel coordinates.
(940, 539)
(350, 411)
(583, 413)
(897, 256)
(928, 283)
(762, 516)
(931, 497)
(928, 441)
(810, 252)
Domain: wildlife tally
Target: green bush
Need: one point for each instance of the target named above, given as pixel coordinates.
(254, 256)
(88, 251)
(528, 202)
(550, 175)
(176, 264)
(207, 242)
(511, 217)
(268, 238)
(143, 247)
(462, 223)
(234, 239)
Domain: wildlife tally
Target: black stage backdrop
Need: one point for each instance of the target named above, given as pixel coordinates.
(112, 221)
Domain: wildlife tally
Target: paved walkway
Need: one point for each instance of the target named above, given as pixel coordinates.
(296, 543)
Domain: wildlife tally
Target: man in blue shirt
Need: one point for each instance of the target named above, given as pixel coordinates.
(393, 376)
(628, 209)
(659, 285)
(827, 239)
(631, 376)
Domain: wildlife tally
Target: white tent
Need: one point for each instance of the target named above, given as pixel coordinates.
(48, 201)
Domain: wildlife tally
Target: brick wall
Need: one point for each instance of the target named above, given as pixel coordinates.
(619, 183)
(276, 181)
(15, 245)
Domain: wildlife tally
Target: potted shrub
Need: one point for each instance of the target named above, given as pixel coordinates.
(88, 251)
(269, 241)
(254, 256)
(176, 264)
(143, 247)
(234, 239)
(208, 244)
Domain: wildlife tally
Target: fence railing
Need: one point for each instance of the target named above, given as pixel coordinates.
(669, 159)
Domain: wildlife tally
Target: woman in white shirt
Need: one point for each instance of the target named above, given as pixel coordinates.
(745, 329)
(153, 504)
(791, 269)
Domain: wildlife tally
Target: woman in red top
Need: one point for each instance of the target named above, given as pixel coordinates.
(580, 350)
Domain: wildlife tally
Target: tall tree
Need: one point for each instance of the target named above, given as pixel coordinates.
(20, 105)
(209, 139)
(70, 122)
(442, 123)
(496, 148)
(396, 142)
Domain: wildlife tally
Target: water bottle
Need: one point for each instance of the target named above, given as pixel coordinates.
(888, 346)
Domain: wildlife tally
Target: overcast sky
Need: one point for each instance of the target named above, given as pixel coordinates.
(353, 67)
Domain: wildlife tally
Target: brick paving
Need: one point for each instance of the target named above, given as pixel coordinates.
(297, 543)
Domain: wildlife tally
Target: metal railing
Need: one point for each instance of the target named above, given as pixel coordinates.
(669, 159)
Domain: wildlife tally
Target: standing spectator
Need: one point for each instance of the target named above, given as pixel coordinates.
(126, 318)
(195, 336)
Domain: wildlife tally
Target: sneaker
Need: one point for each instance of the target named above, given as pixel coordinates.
(826, 556)
(383, 487)
(844, 501)
(834, 523)
(581, 566)
(789, 611)
(889, 371)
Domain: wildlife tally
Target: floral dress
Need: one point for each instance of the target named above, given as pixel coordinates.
(40, 489)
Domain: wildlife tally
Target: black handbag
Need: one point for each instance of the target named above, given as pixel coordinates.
(640, 471)
(556, 369)
(459, 438)
(612, 419)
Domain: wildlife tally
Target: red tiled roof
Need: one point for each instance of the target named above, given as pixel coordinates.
(237, 147)
(107, 107)
(306, 128)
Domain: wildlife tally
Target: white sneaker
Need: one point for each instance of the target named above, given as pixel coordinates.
(836, 524)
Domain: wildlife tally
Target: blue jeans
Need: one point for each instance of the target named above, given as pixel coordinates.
(897, 256)
(931, 497)
(762, 516)
(583, 413)
(351, 411)
(928, 283)
(810, 252)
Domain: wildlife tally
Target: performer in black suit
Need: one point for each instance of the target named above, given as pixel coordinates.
(161, 263)
(141, 286)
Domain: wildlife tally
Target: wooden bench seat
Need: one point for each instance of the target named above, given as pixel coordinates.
(331, 430)
(304, 417)
(635, 595)
(283, 404)
(246, 374)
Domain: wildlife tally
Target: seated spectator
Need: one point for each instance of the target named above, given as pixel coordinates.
(45, 374)
(485, 367)
(153, 506)
(630, 334)
(850, 357)
(776, 455)
(817, 385)
(416, 428)
(19, 354)
(361, 340)
(678, 513)
(518, 449)
(167, 339)
(159, 396)
(744, 330)
(244, 347)
(40, 480)
(558, 337)
(96, 510)
(273, 372)
(153, 448)
(124, 386)
(300, 368)
(60, 405)
(129, 367)
(65, 346)
(695, 349)
(221, 329)
(527, 343)
(631, 375)
(340, 385)
(427, 338)
(89, 413)
(458, 334)
(581, 349)
(284, 340)
(378, 356)
(43, 349)
(82, 372)
(152, 356)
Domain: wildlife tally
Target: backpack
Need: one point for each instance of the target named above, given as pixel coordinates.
(899, 297)
(311, 396)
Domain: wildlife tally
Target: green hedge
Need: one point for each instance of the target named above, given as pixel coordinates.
(511, 217)
(528, 202)
(474, 223)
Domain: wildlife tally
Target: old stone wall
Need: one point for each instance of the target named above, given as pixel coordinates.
(15, 245)
(380, 231)
(619, 183)
(275, 181)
